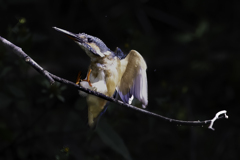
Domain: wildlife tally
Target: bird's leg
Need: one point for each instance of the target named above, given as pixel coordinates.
(88, 78)
(78, 78)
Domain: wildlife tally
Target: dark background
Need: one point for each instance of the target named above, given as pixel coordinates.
(191, 48)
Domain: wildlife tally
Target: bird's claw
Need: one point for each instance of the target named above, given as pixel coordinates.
(78, 78)
(87, 80)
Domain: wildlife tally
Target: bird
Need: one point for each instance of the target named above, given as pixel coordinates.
(110, 71)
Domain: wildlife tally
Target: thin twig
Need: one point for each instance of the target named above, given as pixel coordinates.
(52, 78)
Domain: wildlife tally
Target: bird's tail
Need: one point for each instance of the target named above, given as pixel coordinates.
(95, 107)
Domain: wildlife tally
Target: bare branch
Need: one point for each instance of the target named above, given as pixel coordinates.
(18, 51)
(52, 78)
(216, 117)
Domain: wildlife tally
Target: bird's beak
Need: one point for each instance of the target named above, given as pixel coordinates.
(81, 41)
(71, 35)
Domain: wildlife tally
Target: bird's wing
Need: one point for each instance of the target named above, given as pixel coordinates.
(134, 79)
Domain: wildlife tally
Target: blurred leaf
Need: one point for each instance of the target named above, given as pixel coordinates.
(65, 150)
(61, 98)
(201, 29)
(184, 37)
(17, 92)
(45, 83)
(189, 36)
(112, 139)
(22, 20)
(62, 88)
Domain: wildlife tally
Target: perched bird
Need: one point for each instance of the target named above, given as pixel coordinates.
(110, 71)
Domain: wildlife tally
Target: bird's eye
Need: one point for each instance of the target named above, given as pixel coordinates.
(90, 40)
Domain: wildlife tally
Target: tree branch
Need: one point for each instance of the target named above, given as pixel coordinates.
(52, 78)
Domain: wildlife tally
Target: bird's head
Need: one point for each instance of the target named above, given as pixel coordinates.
(93, 46)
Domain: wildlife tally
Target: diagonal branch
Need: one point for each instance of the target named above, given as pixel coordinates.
(18, 51)
(52, 78)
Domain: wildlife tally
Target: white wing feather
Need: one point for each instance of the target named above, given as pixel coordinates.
(138, 81)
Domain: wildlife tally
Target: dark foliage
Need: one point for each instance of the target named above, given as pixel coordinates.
(192, 51)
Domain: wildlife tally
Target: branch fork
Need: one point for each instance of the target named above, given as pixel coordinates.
(224, 112)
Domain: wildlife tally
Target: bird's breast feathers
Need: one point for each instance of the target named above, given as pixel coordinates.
(105, 76)
(98, 82)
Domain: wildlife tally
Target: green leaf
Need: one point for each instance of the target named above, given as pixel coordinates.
(112, 139)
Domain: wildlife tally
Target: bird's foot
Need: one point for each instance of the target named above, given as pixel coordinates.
(88, 78)
(78, 80)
